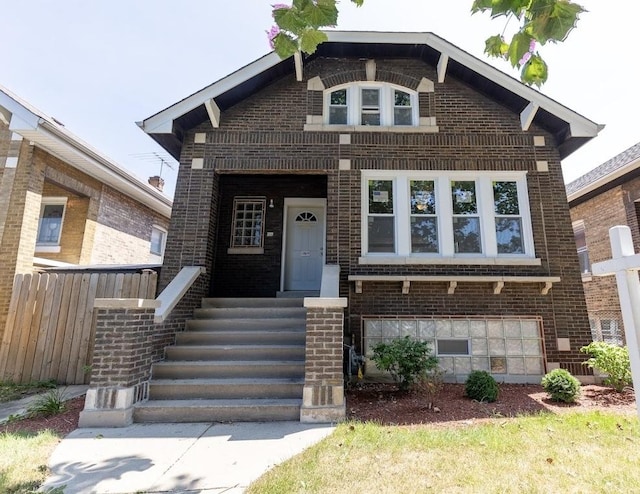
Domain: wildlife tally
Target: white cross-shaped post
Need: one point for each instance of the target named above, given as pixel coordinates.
(625, 264)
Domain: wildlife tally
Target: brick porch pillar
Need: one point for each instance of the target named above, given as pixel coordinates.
(122, 358)
(323, 394)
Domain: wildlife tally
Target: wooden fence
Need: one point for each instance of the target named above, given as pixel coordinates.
(50, 330)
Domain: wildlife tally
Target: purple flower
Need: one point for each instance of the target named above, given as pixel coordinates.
(271, 34)
(532, 46)
(277, 6)
(525, 58)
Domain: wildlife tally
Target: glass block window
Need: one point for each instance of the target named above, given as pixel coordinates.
(381, 220)
(248, 222)
(424, 220)
(50, 223)
(466, 220)
(509, 347)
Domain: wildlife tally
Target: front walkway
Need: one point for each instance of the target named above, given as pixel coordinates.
(176, 458)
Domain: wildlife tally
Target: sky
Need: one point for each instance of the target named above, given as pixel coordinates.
(98, 67)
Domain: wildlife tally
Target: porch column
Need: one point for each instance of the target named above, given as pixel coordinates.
(323, 394)
(122, 358)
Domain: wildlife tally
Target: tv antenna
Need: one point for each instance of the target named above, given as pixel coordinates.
(164, 159)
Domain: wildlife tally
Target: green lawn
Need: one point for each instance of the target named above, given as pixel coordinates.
(23, 460)
(576, 452)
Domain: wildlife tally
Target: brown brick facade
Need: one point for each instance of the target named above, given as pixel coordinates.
(599, 212)
(264, 134)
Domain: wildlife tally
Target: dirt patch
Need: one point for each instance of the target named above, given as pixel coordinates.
(384, 404)
(61, 424)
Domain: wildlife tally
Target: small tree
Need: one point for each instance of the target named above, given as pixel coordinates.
(406, 359)
(612, 360)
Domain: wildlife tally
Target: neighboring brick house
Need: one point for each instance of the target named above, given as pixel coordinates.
(64, 203)
(607, 196)
(431, 178)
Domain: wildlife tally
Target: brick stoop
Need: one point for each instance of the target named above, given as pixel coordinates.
(238, 360)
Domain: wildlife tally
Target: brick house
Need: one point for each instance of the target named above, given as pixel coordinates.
(607, 196)
(429, 180)
(63, 203)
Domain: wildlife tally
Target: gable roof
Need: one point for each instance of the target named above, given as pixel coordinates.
(50, 135)
(571, 130)
(608, 175)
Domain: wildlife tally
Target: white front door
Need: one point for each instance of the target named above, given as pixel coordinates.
(304, 250)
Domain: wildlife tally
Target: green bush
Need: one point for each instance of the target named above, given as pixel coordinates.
(561, 385)
(481, 386)
(406, 359)
(51, 403)
(612, 360)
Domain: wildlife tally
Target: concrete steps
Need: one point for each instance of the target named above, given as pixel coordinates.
(238, 360)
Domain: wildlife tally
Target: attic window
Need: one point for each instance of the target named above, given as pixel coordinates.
(371, 104)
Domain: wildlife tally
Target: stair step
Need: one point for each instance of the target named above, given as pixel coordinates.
(208, 303)
(244, 324)
(294, 337)
(228, 369)
(235, 352)
(246, 410)
(250, 313)
(233, 388)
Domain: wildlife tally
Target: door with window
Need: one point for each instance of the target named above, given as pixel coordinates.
(304, 249)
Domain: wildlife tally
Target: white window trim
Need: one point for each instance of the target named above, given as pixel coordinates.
(444, 211)
(51, 247)
(164, 240)
(354, 105)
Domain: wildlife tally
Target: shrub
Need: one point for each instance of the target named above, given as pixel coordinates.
(481, 386)
(51, 403)
(430, 384)
(612, 360)
(406, 359)
(561, 385)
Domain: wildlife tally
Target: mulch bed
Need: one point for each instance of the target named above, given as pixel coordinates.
(384, 404)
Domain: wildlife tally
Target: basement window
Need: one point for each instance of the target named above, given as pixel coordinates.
(247, 229)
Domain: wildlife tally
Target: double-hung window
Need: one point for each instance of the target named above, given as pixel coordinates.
(423, 216)
(380, 217)
(367, 104)
(158, 241)
(581, 246)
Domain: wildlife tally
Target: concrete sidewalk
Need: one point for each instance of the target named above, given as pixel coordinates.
(176, 458)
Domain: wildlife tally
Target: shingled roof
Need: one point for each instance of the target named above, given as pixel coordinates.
(606, 173)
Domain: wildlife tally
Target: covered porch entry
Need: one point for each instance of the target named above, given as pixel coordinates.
(270, 236)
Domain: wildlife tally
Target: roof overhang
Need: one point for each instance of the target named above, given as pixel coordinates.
(45, 133)
(570, 129)
(606, 182)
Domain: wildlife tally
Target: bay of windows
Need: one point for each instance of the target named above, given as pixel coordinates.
(371, 104)
(429, 214)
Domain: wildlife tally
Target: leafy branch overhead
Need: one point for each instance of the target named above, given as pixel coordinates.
(298, 28)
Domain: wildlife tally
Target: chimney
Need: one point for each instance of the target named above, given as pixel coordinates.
(157, 182)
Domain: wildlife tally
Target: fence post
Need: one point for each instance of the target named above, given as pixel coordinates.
(122, 358)
(625, 264)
